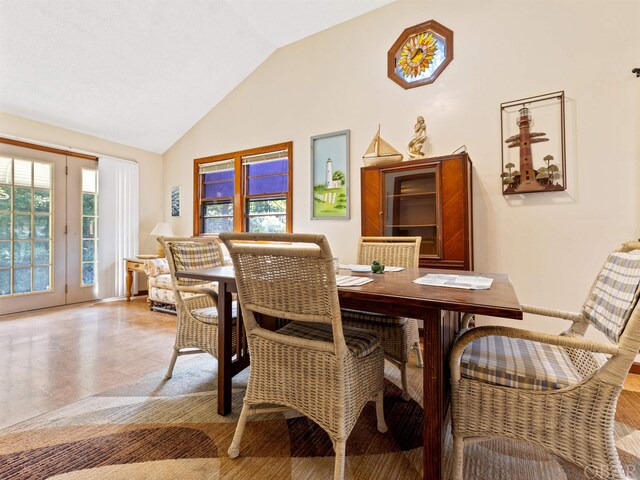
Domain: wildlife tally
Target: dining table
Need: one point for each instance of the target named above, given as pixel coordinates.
(392, 293)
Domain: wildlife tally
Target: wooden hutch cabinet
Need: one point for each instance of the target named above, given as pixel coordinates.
(429, 197)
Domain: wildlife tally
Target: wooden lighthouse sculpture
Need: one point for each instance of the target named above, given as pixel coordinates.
(524, 139)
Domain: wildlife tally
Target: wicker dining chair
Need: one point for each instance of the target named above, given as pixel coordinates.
(556, 391)
(313, 364)
(196, 300)
(398, 335)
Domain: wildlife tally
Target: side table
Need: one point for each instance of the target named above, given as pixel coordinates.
(132, 265)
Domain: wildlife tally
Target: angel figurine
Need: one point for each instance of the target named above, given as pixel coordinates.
(414, 147)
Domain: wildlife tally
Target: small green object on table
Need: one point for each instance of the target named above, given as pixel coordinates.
(377, 267)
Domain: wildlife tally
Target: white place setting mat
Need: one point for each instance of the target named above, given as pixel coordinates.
(367, 268)
(467, 282)
(349, 281)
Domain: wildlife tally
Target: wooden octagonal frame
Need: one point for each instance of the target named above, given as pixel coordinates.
(432, 26)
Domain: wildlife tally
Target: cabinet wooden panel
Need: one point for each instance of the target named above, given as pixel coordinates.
(371, 203)
(429, 197)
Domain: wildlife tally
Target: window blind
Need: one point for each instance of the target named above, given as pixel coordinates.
(220, 166)
(266, 157)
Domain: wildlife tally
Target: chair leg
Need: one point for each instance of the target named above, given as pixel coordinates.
(382, 425)
(234, 449)
(416, 348)
(458, 458)
(405, 383)
(340, 448)
(172, 364)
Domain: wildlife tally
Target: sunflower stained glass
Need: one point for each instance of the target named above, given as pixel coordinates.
(420, 54)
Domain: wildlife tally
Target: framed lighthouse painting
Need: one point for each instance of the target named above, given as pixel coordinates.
(330, 176)
(533, 144)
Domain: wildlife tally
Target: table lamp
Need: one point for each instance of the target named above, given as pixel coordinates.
(161, 229)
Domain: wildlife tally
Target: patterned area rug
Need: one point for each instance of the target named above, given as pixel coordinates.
(156, 429)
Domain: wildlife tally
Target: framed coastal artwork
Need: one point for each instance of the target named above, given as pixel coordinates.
(533, 144)
(330, 176)
(175, 201)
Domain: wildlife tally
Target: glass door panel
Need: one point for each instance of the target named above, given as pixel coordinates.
(28, 229)
(411, 206)
(429, 244)
(25, 216)
(82, 230)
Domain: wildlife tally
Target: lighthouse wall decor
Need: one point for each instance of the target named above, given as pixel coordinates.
(330, 176)
(533, 144)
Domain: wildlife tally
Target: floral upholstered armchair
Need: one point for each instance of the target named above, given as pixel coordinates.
(161, 296)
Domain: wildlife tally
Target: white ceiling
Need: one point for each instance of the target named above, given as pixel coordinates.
(143, 72)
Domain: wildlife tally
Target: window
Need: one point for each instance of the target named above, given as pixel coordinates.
(248, 191)
(26, 192)
(89, 226)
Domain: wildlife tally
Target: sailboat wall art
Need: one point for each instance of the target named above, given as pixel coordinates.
(533, 144)
(380, 152)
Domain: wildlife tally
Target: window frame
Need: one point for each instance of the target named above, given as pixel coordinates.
(240, 197)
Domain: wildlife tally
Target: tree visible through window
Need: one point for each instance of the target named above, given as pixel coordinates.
(26, 220)
(89, 227)
(247, 191)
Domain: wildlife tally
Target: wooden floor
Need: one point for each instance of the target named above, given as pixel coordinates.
(55, 357)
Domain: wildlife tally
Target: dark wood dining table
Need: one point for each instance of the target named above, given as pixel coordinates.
(391, 293)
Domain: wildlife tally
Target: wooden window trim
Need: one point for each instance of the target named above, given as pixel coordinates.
(43, 148)
(238, 197)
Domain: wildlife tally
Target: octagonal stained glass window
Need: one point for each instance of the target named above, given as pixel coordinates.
(420, 54)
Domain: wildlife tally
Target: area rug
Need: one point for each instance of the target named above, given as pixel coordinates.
(157, 429)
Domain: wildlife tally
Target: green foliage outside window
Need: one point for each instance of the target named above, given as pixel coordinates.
(22, 199)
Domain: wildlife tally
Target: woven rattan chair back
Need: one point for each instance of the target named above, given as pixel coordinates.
(621, 322)
(615, 292)
(392, 251)
(288, 276)
(185, 253)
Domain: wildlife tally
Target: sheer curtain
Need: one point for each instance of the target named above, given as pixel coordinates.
(117, 222)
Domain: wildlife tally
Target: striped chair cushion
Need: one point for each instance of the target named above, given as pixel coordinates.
(614, 294)
(194, 256)
(360, 342)
(513, 362)
(356, 315)
(210, 314)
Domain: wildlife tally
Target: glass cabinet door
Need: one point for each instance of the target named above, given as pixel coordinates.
(411, 206)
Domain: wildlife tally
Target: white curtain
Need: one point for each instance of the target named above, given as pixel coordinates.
(117, 222)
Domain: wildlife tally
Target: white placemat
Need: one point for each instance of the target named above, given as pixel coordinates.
(393, 269)
(367, 268)
(468, 282)
(349, 281)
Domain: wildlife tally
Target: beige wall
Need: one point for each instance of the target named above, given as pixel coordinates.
(150, 164)
(551, 244)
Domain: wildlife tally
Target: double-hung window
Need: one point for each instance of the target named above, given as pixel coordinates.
(248, 191)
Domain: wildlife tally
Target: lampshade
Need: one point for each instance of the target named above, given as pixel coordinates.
(162, 229)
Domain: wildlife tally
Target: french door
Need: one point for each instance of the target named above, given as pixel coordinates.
(48, 229)
(82, 230)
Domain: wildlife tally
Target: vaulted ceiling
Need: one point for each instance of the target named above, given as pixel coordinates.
(143, 72)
